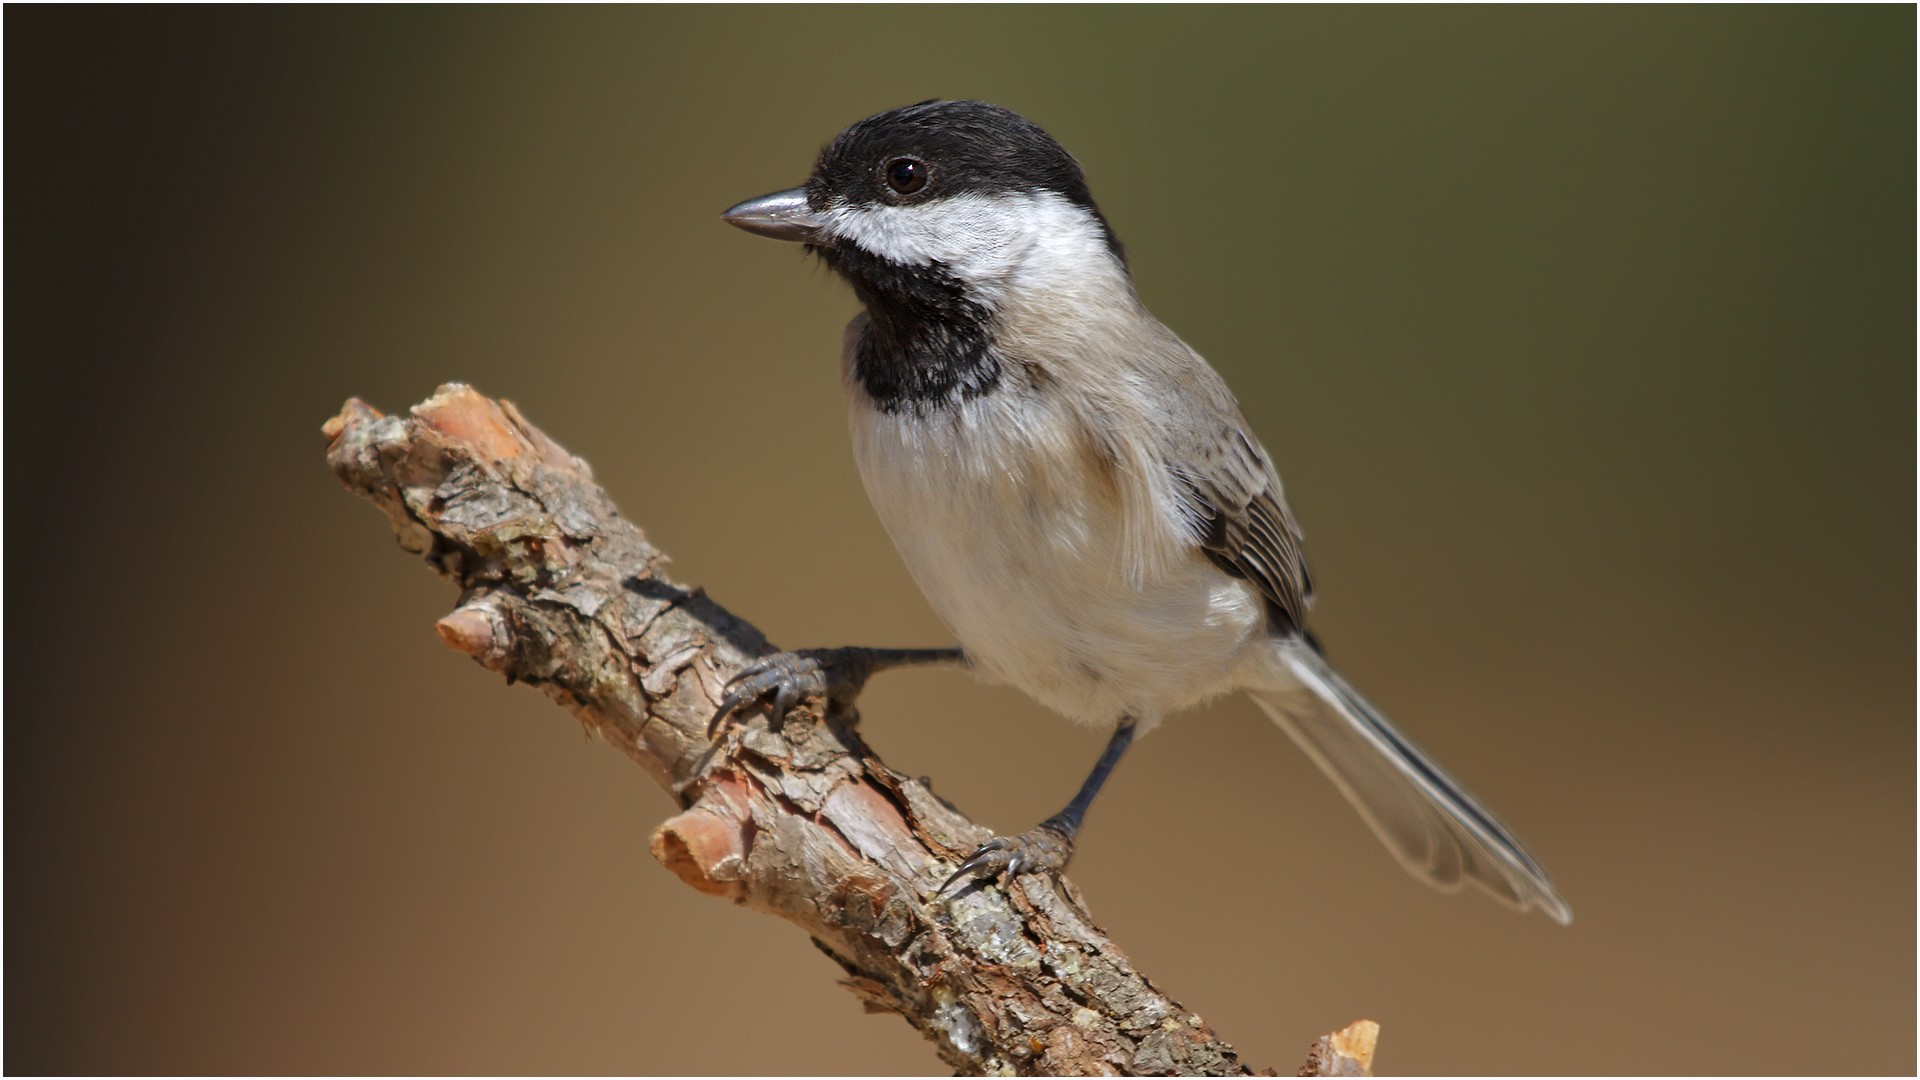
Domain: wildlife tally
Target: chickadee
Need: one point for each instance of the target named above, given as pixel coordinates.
(1075, 490)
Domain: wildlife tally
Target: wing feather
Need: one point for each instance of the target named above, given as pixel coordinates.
(1173, 428)
(1232, 499)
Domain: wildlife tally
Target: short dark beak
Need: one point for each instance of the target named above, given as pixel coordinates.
(783, 215)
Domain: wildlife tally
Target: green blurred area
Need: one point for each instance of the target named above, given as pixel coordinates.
(1584, 338)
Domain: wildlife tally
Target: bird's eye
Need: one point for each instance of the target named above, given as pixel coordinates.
(906, 175)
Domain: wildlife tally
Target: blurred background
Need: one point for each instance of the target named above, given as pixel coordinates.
(1584, 339)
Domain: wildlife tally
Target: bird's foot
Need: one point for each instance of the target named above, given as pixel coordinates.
(786, 679)
(1042, 849)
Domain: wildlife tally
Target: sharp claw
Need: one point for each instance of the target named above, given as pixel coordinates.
(965, 871)
(727, 705)
(982, 859)
(1007, 858)
(743, 675)
(784, 699)
(743, 690)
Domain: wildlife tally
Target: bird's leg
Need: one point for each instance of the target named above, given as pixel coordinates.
(1049, 845)
(833, 675)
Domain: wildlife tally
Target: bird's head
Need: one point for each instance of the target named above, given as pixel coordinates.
(943, 203)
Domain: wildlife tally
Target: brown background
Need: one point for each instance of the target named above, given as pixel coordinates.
(1584, 338)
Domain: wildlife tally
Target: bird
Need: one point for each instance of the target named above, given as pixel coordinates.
(1074, 489)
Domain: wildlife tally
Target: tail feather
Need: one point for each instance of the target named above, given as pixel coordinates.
(1436, 830)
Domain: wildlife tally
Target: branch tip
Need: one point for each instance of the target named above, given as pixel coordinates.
(1347, 1052)
(352, 411)
(474, 630)
(704, 850)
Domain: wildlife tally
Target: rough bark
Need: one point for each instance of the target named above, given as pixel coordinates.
(798, 819)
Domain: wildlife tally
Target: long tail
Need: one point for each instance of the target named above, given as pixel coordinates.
(1424, 817)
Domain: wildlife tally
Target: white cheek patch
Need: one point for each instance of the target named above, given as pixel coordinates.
(984, 240)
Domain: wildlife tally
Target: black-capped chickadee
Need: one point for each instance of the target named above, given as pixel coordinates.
(1074, 489)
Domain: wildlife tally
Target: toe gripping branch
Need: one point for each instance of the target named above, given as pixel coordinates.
(1046, 847)
(834, 677)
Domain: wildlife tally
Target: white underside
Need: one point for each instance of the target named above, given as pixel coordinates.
(1015, 535)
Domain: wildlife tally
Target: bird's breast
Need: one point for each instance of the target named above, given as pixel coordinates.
(1014, 524)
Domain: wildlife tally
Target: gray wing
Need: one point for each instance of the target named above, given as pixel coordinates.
(1231, 497)
(1228, 494)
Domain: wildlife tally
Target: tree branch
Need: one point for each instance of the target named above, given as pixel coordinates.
(800, 819)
